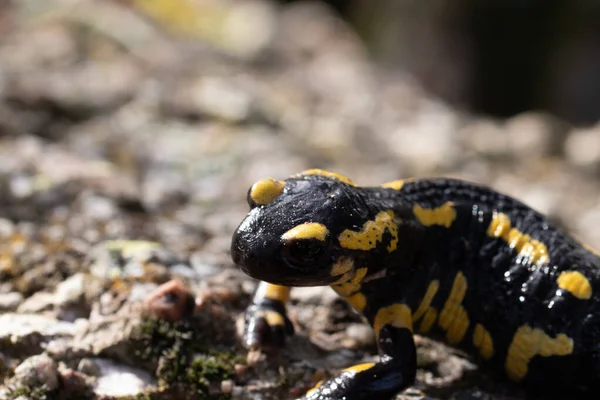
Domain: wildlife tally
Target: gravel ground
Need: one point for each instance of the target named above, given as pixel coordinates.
(127, 145)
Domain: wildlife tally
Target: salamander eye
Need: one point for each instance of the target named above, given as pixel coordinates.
(303, 253)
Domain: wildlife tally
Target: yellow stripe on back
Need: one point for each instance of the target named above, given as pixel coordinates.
(529, 342)
(427, 299)
(483, 341)
(329, 174)
(371, 233)
(443, 215)
(501, 227)
(398, 184)
(453, 317)
(575, 283)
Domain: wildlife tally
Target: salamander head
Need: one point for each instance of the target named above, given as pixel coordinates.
(295, 233)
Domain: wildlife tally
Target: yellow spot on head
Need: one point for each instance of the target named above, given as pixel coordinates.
(483, 341)
(329, 174)
(453, 317)
(359, 368)
(266, 190)
(443, 215)
(529, 342)
(535, 250)
(371, 233)
(308, 230)
(427, 299)
(396, 315)
(575, 283)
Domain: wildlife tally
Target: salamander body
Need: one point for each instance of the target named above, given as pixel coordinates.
(440, 257)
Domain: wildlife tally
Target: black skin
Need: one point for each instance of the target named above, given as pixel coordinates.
(505, 290)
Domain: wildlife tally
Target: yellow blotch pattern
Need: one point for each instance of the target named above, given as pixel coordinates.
(266, 190)
(427, 299)
(396, 315)
(428, 320)
(322, 172)
(529, 342)
(453, 317)
(307, 230)
(351, 286)
(483, 341)
(396, 185)
(443, 215)
(575, 283)
(501, 227)
(371, 233)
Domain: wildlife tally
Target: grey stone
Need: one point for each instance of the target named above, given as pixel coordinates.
(36, 371)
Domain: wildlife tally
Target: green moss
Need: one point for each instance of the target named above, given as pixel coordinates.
(31, 393)
(187, 360)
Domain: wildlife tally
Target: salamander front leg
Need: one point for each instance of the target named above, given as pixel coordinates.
(393, 373)
(266, 322)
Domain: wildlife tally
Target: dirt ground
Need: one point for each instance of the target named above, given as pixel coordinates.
(127, 146)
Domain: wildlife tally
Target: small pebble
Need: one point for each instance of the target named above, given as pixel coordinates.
(37, 371)
(227, 386)
(72, 382)
(89, 367)
(361, 333)
(171, 301)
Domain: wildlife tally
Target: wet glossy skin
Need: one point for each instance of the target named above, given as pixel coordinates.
(441, 257)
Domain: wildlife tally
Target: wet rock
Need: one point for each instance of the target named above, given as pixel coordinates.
(172, 301)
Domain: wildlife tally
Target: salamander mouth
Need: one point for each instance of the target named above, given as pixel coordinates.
(291, 279)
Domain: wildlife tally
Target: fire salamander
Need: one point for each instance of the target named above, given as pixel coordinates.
(441, 257)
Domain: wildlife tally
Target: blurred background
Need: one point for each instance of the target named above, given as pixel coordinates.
(150, 119)
(190, 101)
